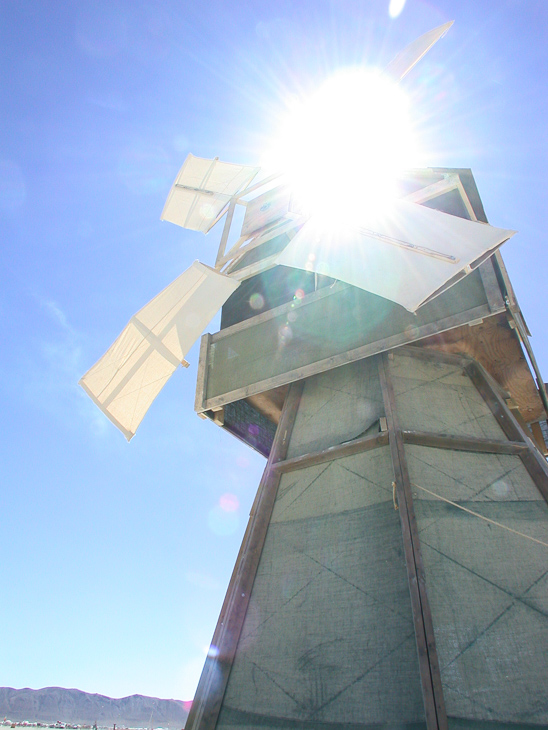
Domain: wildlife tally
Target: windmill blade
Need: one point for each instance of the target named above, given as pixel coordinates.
(202, 189)
(401, 64)
(129, 376)
(408, 256)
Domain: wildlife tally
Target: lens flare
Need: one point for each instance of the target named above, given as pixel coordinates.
(229, 502)
(256, 301)
(395, 8)
(285, 335)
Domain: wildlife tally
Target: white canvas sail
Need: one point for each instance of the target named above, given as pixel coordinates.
(401, 64)
(407, 255)
(202, 189)
(129, 376)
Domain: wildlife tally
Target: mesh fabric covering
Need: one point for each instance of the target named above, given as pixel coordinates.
(328, 638)
(487, 586)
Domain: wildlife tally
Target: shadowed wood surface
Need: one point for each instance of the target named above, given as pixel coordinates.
(495, 345)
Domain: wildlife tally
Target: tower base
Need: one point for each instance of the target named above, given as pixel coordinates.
(394, 573)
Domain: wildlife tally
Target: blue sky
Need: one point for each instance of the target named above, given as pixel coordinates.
(115, 557)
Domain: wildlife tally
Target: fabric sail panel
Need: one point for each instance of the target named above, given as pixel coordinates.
(406, 255)
(201, 190)
(129, 376)
(412, 54)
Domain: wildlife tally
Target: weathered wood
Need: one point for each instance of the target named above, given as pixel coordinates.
(514, 410)
(537, 471)
(211, 688)
(539, 438)
(489, 392)
(506, 279)
(221, 260)
(256, 239)
(491, 286)
(219, 417)
(201, 380)
(466, 200)
(532, 459)
(434, 705)
(524, 334)
(226, 230)
(434, 190)
(469, 190)
(366, 443)
(459, 443)
(497, 347)
(270, 403)
(430, 355)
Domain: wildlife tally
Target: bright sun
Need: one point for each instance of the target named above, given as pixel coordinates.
(343, 148)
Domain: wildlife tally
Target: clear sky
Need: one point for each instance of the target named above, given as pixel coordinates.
(115, 557)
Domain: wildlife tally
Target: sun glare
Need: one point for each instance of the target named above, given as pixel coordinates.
(343, 148)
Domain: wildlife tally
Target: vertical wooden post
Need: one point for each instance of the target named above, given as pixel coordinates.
(434, 705)
(211, 688)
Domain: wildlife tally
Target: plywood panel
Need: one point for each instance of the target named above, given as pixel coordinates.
(496, 346)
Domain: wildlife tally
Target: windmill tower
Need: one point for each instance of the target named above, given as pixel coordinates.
(393, 573)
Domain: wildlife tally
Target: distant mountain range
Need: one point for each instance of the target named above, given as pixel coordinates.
(53, 704)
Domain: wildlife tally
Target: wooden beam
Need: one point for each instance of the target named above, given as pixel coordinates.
(460, 443)
(366, 443)
(489, 391)
(256, 239)
(539, 438)
(257, 185)
(491, 286)
(211, 688)
(532, 459)
(449, 182)
(431, 355)
(270, 403)
(434, 704)
(226, 231)
(203, 370)
(537, 469)
(465, 199)
(505, 279)
(231, 253)
(523, 333)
